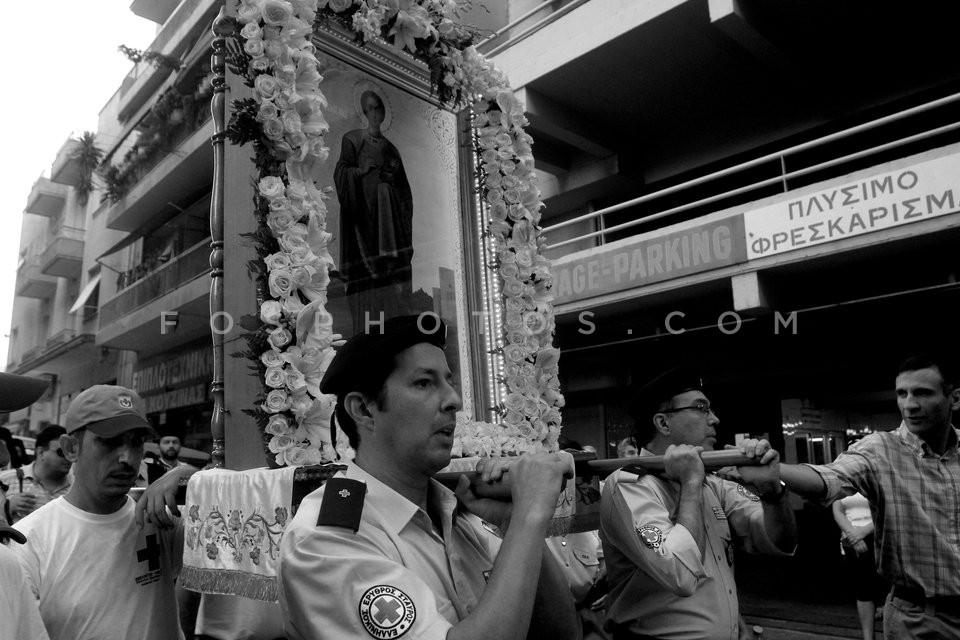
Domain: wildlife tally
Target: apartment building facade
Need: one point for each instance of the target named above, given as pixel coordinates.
(765, 191)
(120, 282)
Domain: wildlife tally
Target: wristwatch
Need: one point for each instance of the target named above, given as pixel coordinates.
(775, 497)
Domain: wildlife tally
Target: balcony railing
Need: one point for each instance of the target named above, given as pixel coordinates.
(63, 256)
(61, 337)
(527, 24)
(154, 284)
(897, 135)
(173, 118)
(182, 27)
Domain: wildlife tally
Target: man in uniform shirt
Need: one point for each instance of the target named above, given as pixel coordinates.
(382, 549)
(31, 486)
(669, 540)
(911, 476)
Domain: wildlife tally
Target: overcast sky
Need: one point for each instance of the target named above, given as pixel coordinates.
(60, 71)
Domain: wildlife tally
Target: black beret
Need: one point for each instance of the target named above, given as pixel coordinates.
(366, 351)
(673, 382)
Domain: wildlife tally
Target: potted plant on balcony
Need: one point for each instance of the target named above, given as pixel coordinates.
(89, 155)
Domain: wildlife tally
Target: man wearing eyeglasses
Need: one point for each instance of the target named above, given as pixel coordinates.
(669, 539)
(28, 488)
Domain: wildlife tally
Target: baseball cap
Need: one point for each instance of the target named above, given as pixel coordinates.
(369, 351)
(660, 389)
(17, 392)
(107, 410)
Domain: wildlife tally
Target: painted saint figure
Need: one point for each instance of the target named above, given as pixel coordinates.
(376, 215)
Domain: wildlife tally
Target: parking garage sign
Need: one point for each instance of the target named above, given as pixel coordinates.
(894, 198)
(650, 258)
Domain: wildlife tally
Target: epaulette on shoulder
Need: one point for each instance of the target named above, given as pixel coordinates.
(635, 470)
(342, 504)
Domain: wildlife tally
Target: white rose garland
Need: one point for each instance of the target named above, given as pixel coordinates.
(289, 103)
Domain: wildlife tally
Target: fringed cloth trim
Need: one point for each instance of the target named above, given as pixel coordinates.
(231, 583)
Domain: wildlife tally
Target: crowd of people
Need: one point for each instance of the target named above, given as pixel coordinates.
(384, 550)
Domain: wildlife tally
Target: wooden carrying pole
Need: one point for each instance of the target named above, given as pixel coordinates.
(586, 465)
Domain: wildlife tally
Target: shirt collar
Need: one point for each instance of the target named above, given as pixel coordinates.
(395, 510)
(921, 448)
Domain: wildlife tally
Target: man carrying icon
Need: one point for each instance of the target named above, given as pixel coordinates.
(669, 540)
(383, 550)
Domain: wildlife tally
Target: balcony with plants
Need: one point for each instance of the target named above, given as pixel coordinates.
(165, 156)
(184, 25)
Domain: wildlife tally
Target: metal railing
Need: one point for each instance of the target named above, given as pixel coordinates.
(509, 33)
(781, 179)
(178, 271)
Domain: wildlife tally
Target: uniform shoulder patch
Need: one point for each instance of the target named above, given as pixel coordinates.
(650, 535)
(746, 493)
(386, 611)
(342, 504)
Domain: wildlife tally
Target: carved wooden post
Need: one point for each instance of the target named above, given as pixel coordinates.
(222, 28)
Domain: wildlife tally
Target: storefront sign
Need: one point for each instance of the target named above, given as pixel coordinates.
(892, 199)
(183, 397)
(175, 381)
(644, 260)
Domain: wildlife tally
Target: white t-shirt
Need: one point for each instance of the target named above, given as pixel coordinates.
(99, 578)
(18, 608)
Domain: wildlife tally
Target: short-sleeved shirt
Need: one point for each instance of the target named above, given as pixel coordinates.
(914, 495)
(395, 574)
(660, 584)
(30, 484)
(579, 556)
(18, 607)
(100, 577)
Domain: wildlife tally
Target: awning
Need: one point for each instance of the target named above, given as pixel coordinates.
(85, 295)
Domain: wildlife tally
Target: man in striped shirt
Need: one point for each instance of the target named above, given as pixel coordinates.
(911, 476)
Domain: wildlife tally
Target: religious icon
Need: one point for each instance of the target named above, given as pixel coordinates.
(376, 217)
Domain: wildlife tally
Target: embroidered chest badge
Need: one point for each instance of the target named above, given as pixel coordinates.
(746, 493)
(719, 514)
(386, 612)
(650, 535)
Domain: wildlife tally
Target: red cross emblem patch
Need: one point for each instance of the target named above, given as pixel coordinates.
(386, 612)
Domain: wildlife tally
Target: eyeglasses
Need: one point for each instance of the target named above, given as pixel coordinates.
(59, 452)
(702, 407)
